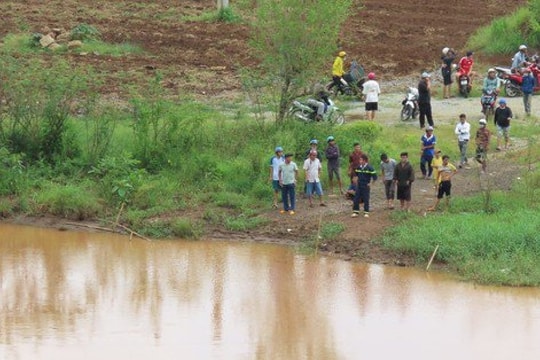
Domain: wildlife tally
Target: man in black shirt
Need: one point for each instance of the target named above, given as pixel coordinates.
(424, 100)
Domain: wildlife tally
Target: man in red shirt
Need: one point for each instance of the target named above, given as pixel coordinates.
(465, 67)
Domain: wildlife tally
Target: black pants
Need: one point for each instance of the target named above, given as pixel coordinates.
(362, 193)
(425, 111)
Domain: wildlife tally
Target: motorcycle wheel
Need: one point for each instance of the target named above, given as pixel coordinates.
(406, 113)
(299, 114)
(338, 118)
(512, 90)
(463, 91)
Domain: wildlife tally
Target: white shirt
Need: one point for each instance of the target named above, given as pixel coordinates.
(463, 131)
(312, 168)
(371, 91)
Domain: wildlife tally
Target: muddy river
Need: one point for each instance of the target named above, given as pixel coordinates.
(76, 295)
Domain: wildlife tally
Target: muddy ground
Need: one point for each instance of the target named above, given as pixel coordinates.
(394, 38)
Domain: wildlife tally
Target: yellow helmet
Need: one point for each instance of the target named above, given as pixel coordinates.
(342, 54)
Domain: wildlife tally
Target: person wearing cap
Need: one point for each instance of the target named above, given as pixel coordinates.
(520, 59)
(387, 173)
(465, 67)
(503, 115)
(447, 58)
(312, 171)
(275, 162)
(337, 71)
(371, 91)
(332, 155)
(483, 136)
(288, 173)
(424, 100)
(427, 149)
(463, 132)
(444, 181)
(527, 87)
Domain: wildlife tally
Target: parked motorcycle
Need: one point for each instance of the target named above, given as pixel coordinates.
(488, 101)
(302, 110)
(410, 105)
(513, 80)
(464, 85)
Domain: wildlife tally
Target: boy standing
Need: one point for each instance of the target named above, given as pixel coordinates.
(366, 176)
(427, 152)
(387, 173)
(275, 162)
(312, 168)
(288, 172)
(332, 155)
(502, 118)
(463, 132)
(483, 135)
(404, 177)
(436, 163)
(446, 171)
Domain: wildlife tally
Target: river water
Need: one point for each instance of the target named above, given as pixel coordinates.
(77, 295)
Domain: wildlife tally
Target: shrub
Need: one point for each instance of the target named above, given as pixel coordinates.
(70, 201)
(84, 32)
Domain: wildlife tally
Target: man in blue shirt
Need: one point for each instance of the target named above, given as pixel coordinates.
(428, 151)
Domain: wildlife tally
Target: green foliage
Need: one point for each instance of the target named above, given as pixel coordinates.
(186, 228)
(38, 101)
(244, 222)
(295, 43)
(71, 201)
(331, 230)
(504, 35)
(227, 15)
(85, 32)
(13, 175)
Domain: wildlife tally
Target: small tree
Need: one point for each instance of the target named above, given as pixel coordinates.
(295, 40)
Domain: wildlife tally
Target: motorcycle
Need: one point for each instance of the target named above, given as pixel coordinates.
(488, 100)
(464, 85)
(513, 80)
(410, 105)
(352, 82)
(306, 112)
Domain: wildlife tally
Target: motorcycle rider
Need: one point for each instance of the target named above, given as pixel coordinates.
(491, 82)
(465, 67)
(337, 71)
(320, 101)
(448, 57)
(520, 59)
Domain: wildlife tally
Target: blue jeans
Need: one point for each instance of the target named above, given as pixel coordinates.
(288, 194)
(426, 160)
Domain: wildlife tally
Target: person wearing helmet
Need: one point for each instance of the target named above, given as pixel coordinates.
(275, 162)
(503, 115)
(483, 136)
(520, 59)
(424, 100)
(447, 58)
(332, 155)
(465, 67)
(338, 72)
(320, 101)
(491, 82)
(371, 93)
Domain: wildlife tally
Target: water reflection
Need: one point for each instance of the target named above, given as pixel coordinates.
(68, 295)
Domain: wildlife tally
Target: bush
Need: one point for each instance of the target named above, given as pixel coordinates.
(84, 32)
(69, 201)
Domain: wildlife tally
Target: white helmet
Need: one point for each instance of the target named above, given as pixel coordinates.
(445, 50)
(482, 121)
(522, 47)
(491, 70)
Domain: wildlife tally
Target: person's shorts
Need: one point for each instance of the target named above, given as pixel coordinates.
(503, 131)
(444, 188)
(275, 185)
(314, 187)
(447, 76)
(404, 192)
(372, 106)
(333, 169)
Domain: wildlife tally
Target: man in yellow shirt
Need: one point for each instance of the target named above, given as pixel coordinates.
(446, 171)
(337, 71)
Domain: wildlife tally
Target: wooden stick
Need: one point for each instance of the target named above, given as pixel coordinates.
(118, 216)
(91, 227)
(432, 257)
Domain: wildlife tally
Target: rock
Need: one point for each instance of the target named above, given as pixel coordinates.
(54, 46)
(46, 30)
(74, 44)
(46, 41)
(62, 38)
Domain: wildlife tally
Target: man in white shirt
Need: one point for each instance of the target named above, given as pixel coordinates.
(371, 91)
(312, 169)
(463, 132)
